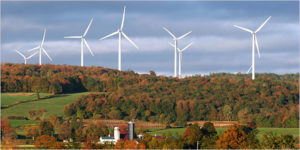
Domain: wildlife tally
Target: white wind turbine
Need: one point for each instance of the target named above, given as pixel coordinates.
(82, 37)
(180, 57)
(41, 49)
(254, 43)
(120, 32)
(175, 47)
(26, 58)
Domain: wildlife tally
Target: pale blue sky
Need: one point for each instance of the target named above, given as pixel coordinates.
(218, 46)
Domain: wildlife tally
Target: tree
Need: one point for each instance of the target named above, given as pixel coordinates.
(7, 132)
(65, 131)
(93, 131)
(37, 90)
(33, 132)
(227, 112)
(114, 113)
(55, 120)
(45, 141)
(273, 141)
(46, 128)
(238, 137)
(192, 135)
(55, 87)
(209, 136)
(155, 143)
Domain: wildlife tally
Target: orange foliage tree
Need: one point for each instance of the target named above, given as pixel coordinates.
(132, 144)
(45, 141)
(238, 137)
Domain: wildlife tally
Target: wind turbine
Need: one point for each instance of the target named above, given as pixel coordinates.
(41, 48)
(180, 57)
(82, 37)
(175, 47)
(25, 59)
(120, 32)
(254, 43)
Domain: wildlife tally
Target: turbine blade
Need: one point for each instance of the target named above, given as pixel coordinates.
(130, 40)
(33, 49)
(257, 47)
(169, 32)
(112, 34)
(32, 55)
(263, 24)
(123, 18)
(87, 45)
(242, 28)
(174, 47)
(249, 69)
(72, 37)
(46, 54)
(87, 29)
(184, 35)
(187, 46)
(44, 36)
(20, 54)
(171, 44)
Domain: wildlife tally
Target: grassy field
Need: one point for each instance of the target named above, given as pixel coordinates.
(261, 131)
(53, 105)
(9, 98)
(18, 123)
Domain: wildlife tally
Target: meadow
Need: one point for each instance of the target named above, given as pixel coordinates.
(53, 105)
(9, 98)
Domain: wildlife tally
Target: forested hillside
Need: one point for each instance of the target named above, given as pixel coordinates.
(270, 100)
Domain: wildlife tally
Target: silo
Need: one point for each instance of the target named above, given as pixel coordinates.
(131, 133)
(117, 133)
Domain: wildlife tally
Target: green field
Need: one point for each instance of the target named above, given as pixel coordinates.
(9, 98)
(18, 123)
(53, 105)
(261, 131)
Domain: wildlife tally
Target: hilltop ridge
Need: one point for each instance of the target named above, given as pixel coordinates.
(270, 100)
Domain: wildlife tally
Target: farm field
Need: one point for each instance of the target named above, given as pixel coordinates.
(18, 123)
(9, 98)
(261, 131)
(53, 105)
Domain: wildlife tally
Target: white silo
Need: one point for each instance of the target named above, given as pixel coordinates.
(117, 133)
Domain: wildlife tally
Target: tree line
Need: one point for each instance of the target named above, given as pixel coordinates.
(270, 100)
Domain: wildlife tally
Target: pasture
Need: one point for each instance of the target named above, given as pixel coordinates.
(53, 105)
(9, 98)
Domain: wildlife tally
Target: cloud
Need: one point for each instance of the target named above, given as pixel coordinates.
(218, 46)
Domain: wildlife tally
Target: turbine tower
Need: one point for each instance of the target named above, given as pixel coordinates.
(82, 37)
(175, 47)
(41, 49)
(120, 32)
(26, 58)
(180, 57)
(254, 44)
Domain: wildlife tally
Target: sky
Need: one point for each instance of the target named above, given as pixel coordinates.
(217, 45)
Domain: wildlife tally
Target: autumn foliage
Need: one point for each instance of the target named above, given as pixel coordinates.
(238, 137)
(270, 100)
(46, 141)
(126, 144)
